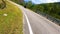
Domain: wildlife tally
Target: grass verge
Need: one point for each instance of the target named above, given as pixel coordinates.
(11, 21)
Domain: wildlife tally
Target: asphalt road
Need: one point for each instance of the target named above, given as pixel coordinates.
(37, 24)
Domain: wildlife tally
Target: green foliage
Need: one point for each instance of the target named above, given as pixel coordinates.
(29, 4)
(53, 9)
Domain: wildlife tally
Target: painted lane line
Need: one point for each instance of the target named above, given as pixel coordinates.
(29, 26)
(30, 29)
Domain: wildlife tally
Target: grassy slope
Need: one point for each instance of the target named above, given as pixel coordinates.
(12, 23)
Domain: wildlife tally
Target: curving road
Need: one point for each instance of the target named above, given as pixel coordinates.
(37, 24)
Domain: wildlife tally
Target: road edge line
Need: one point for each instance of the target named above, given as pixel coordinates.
(30, 29)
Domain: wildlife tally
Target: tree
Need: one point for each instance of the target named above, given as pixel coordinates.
(29, 4)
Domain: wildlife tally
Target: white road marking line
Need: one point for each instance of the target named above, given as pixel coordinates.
(30, 29)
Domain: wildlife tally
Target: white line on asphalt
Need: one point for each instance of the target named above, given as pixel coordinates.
(30, 29)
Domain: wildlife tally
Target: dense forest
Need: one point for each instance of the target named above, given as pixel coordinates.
(52, 9)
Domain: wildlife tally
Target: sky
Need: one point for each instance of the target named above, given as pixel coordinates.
(43, 1)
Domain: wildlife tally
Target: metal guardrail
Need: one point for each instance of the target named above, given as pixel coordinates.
(55, 20)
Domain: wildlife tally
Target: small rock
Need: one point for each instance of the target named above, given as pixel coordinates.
(5, 14)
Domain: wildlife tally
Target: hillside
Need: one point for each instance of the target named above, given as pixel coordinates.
(52, 9)
(11, 19)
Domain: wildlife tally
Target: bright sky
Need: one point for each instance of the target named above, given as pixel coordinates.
(43, 1)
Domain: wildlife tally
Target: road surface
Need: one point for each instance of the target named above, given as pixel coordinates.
(37, 24)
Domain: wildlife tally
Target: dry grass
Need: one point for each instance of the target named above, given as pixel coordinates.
(12, 23)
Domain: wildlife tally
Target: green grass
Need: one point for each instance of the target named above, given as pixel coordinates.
(13, 22)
